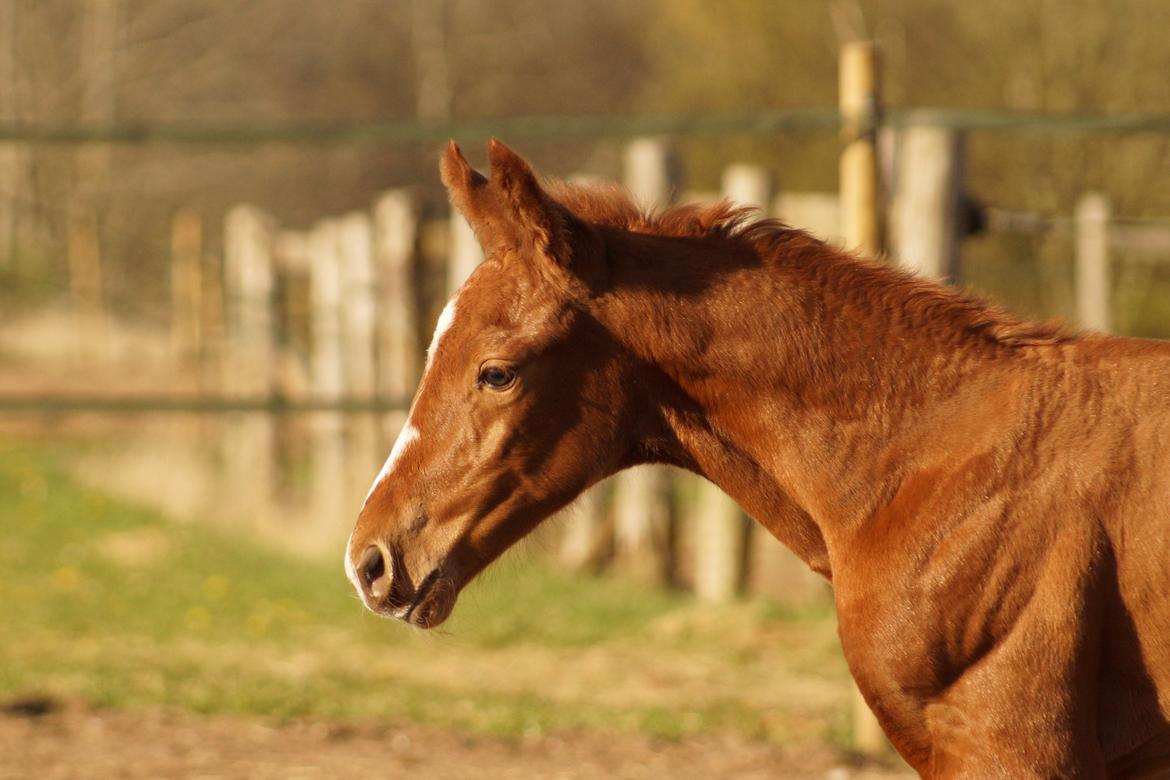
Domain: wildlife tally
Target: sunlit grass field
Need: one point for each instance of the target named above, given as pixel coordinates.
(119, 607)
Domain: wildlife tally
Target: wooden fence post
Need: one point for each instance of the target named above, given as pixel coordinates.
(396, 229)
(355, 248)
(396, 218)
(926, 208)
(642, 511)
(355, 245)
(651, 172)
(85, 286)
(642, 520)
(1092, 276)
(587, 538)
(747, 185)
(327, 373)
(248, 278)
(186, 432)
(817, 212)
(293, 251)
(249, 328)
(859, 101)
(325, 285)
(12, 155)
(186, 288)
(293, 436)
(100, 29)
(213, 324)
(720, 545)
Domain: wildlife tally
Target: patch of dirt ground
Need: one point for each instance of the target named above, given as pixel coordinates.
(49, 740)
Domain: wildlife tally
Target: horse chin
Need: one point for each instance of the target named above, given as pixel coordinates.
(434, 605)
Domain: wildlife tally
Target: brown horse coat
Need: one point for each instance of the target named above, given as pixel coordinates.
(989, 497)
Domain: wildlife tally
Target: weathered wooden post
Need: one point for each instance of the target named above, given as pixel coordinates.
(101, 24)
(12, 155)
(292, 257)
(1092, 277)
(186, 287)
(926, 208)
(247, 269)
(325, 286)
(327, 374)
(396, 217)
(358, 303)
(85, 286)
(817, 212)
(720, 544)
(642, 511)
(185, 432)
(651, 172)
(859, 102)
(722, 530)
(355, 245)
(213, 323)
(587, 537)
(747, 185)
(396, 229)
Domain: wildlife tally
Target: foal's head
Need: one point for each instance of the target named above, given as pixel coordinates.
(520, 407)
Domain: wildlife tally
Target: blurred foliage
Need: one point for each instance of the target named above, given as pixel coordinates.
(266, 61)
(207, 61)
(1030, 55)
(1081, 56)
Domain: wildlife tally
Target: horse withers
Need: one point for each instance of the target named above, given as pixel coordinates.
(988, 496)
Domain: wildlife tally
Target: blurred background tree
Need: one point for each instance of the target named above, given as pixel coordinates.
(268, 61)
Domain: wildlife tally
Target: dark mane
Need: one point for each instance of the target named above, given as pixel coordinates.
(921, 300)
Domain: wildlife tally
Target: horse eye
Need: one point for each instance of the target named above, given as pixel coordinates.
(497, 378)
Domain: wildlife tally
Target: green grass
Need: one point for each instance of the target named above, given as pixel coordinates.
(114, 604)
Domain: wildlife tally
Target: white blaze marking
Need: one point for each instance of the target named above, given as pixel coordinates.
(408, 436)
(409, 433)
(444, 324)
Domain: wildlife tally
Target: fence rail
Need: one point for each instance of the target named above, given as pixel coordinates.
(64, 404)
(407, 131)
(414, 131)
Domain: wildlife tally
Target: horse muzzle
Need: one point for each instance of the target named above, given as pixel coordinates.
(385, 587)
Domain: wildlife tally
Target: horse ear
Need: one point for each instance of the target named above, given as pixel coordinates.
(557, 234)
(532, 211)
(513, 210)
(465, 185)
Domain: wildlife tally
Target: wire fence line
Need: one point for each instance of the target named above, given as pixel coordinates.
(51, 404)
(408, 131)
(1145, 235)
(422, 131)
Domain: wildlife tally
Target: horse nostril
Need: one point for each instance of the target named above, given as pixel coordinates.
(373, 571)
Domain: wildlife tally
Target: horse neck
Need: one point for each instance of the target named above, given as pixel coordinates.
(798, 391)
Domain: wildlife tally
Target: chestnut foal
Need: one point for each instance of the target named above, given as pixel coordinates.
(989, 497)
